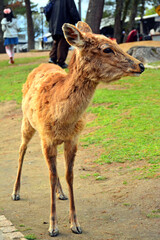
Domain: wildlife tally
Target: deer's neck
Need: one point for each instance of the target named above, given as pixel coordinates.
(79, 92)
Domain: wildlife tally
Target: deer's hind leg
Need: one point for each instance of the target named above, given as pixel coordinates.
(50, 154)
(59, 190)
(27, 133)
(70, 149)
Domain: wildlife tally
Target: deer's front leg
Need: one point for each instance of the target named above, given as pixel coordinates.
(50, 153)
(70, 148)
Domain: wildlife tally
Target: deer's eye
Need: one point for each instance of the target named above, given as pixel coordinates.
(108, 50)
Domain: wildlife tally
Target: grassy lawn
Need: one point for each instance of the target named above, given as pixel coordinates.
(13, 77)
(127, 122)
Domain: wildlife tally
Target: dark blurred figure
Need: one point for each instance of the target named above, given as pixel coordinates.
(63, 11)
(140, 37)
(122, 36)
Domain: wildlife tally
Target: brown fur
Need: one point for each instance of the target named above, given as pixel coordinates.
(54, 103)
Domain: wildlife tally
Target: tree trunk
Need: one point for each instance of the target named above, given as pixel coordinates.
(79, 7)
(30, 28)
(142, 14)
(94, 14)
(118, 24)
(2, 49)
(125, 11)
(133, 15)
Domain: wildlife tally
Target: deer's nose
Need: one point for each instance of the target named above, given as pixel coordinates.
(142, 67)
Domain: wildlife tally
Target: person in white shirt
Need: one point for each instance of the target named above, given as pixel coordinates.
(9, 27)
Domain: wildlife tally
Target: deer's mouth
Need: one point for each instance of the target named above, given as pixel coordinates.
(136, 73)
(141, 68)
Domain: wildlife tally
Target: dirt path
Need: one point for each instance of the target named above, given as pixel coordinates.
(124, 46)
(25, 54)
(107, 209)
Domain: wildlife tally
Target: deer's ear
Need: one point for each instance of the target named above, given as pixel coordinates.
(73, 35)
(84, 27)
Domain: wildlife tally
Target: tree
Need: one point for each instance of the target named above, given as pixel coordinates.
(37, 18)
(30, 27)
(129, 8)
(2, 49)
(79, 7)
(133, 15)
(118, 24)
(94, 14)
(18, 7)
(109, 7)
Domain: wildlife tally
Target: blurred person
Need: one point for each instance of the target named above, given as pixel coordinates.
(141, 37)
(122, 36)
(132, 36)
(9, 27)
(63, 11)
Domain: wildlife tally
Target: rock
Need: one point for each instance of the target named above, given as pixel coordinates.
(145, 54)
(5, 223)
(8, 229)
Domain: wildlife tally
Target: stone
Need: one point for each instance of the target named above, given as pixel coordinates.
(145, 54)
(2, 218)
(13, 236)
(8, 229)
(5, 223)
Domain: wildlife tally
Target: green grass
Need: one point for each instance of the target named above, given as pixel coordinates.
(148, 171)
(30, 237)
(22, 225)
(154, 214)
(13, 77)
(127, 204)
(157, 63)
(96, 176)
(85, 176)
(127, 122)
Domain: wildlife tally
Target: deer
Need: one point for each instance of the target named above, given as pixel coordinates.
(54, 104)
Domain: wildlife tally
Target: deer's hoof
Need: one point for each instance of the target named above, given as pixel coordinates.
(15, 197)
(76, 230)
(53, 233)
(62, 197)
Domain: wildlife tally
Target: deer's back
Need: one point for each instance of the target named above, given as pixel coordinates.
(45, 103)
(44, 73)
(40, 91)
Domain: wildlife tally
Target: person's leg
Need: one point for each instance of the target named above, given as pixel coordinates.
(9, 51)
(53, 52)
(62, 52)
(12, 53)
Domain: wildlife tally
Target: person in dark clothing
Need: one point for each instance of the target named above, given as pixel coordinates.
(63, 11)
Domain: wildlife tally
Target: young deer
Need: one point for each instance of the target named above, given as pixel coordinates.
(54, 103)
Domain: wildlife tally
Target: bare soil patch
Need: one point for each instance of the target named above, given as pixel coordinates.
(116, 208)
(26, 54)
(124, 46)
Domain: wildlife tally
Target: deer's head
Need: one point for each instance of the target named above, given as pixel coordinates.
(101, 58)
